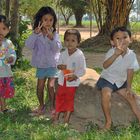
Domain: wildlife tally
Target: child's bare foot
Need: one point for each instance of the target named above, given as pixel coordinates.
(56, 122)
(39, 111)
(106, 128)
(66, 125)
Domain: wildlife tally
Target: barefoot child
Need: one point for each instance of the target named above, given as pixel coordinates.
(119, 66)
(7, 58)
(72, 65)
(46, 46)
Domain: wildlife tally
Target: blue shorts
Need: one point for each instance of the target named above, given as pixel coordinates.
(47, 72)
(102, 83)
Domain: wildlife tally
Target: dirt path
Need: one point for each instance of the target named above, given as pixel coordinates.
(85, 32)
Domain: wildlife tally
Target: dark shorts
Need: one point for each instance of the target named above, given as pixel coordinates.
(102, 83)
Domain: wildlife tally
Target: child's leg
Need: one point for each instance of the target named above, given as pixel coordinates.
(132, 101)
(67, 117)
(51, 92)
(3, 104)
(0, 105)
(40, 93)
(106, 105)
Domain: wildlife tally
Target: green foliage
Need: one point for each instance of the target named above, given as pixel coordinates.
(30, 7)
(19, 44)
(21, 126)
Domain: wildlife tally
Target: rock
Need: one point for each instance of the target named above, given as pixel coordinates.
(88, 104)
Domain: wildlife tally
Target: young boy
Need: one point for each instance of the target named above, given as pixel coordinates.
(7, 58)
(119, 66)
(72, 65)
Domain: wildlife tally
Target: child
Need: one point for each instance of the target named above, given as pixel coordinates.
(46, 46)
(7, 58)
(72, 65)
(119, 66)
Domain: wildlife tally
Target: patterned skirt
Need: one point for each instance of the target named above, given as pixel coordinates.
(7, 89)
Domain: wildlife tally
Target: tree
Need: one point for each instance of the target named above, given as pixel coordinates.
(7, 8)
(14, 19)
(1, 6)
(111, 13)
(79, 9)
(65, 11)
(30, 7)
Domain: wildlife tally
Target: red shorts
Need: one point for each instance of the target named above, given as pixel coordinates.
(6, 87)
(65, 98)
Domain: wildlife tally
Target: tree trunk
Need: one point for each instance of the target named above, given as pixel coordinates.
(14, 20)
(1, 6)
(117, 14)
(78, 18)
(111, 13)
(7, 9)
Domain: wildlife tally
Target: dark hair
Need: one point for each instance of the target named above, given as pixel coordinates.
(4, 20)
(74, 32)
(43, 11)
(122, 28)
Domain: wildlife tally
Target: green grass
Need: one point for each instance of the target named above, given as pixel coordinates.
(20, 126)
(135, 27)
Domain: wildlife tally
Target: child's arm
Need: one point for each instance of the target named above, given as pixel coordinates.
(118, 51)
(55, 43)
(108, 62)
(30, 42)
(130, 73)
(12, 54)
(80, 68)
(61, 66)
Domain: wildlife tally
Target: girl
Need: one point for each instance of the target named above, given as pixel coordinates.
(46, 46)
(72, 65)
(7, 58)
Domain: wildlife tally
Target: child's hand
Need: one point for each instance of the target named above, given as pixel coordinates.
(9, 60)
(129, 92)
(62, 67)
(71, 77)
(38, 29)
(119, 48)
(50, 33)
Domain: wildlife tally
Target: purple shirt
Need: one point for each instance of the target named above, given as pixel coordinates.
(45, 52)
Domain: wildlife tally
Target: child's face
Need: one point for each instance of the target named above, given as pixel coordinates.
(47, 21)
(71, 42)
(121, 39)
(3, 31)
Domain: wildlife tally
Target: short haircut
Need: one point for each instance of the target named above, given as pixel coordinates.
(4, 20)
(73, 32)
(122, 28)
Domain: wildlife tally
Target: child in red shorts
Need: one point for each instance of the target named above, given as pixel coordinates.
(7, 58)
(72, 65)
